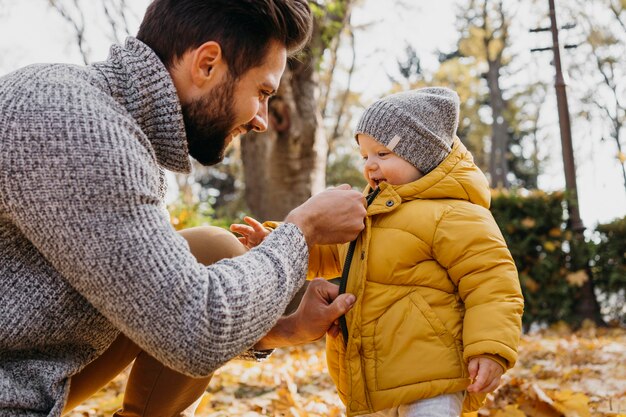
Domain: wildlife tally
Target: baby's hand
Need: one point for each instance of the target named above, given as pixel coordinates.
(485, 374)
(252, 234)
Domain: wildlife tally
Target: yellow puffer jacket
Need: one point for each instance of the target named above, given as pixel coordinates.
(435, 286)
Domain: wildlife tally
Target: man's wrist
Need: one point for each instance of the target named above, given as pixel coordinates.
(253, 354)
(305, 226)
(280, 335)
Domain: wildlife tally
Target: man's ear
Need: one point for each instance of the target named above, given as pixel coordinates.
(207, 64)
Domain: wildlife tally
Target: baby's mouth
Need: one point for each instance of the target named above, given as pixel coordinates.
(377, 181)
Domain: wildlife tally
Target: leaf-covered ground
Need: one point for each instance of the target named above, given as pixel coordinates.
(558, 374)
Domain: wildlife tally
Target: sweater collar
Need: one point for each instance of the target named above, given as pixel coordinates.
(138, 80)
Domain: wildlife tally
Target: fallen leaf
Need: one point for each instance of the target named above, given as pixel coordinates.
(510, 411)
(571, 404)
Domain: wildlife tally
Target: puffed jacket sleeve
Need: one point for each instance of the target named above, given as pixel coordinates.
(324, 260)
(469, 244)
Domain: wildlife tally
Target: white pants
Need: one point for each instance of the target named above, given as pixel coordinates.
(447, 405)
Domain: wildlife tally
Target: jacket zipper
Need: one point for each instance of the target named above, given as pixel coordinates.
(346, 270)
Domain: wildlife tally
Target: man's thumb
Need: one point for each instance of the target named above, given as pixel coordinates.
(342, 304)
(343, 187)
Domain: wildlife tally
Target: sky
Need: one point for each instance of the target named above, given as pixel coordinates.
(31, 32)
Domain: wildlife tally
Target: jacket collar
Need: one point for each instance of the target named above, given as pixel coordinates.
(137, 79)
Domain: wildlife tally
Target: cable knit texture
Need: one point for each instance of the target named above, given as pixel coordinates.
(85, 248)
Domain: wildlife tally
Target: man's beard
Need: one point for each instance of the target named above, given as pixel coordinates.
(209, 122)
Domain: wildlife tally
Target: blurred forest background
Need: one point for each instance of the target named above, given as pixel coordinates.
(509, 120)
(572, 269)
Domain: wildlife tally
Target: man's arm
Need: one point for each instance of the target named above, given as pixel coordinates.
(332, 216)
(90, 205)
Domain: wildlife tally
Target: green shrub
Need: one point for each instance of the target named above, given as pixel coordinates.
(183, 216)
(609, 268)
(533, 224)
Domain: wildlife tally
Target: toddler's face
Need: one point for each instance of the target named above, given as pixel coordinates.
(381, 164)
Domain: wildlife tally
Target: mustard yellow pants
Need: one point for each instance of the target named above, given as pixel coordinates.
(154, 390)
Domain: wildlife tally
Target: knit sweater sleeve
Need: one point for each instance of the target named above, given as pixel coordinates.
(324, 260)
(81, 184)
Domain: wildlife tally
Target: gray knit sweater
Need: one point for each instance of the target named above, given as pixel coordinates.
(85, 249)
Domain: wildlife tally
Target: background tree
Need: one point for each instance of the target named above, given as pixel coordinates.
(313, 116)
(485, 38)
(73, 12)
(494, 123)
(602, 65)
(286, 165)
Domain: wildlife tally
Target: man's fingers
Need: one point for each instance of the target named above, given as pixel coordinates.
(327, 290)
(341, 305)
(321, 225)
(333, 330)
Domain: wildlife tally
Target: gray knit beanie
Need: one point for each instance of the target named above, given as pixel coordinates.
(418, 125)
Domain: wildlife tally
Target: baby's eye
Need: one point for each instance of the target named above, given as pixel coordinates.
(381, 154)
(364, 157)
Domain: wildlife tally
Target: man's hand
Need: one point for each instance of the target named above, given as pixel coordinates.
(317, 314)
(252, 233)
(485, 374)
(332, 216)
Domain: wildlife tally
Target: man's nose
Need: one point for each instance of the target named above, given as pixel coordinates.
(259, 121)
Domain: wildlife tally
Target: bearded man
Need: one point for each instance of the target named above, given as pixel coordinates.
(92, 275)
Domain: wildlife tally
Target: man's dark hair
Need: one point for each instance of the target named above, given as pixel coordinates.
(243, 28)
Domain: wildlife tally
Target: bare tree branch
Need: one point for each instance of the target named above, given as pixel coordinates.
(618, 15)
(346, 93)
(111, 20)
(335, 19)
(77, 23)
(327, 86)
(122, 8)
(115, 11)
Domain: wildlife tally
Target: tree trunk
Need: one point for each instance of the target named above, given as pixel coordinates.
(498, 164)
(284, 166)
(616, 135)
(587, 306)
